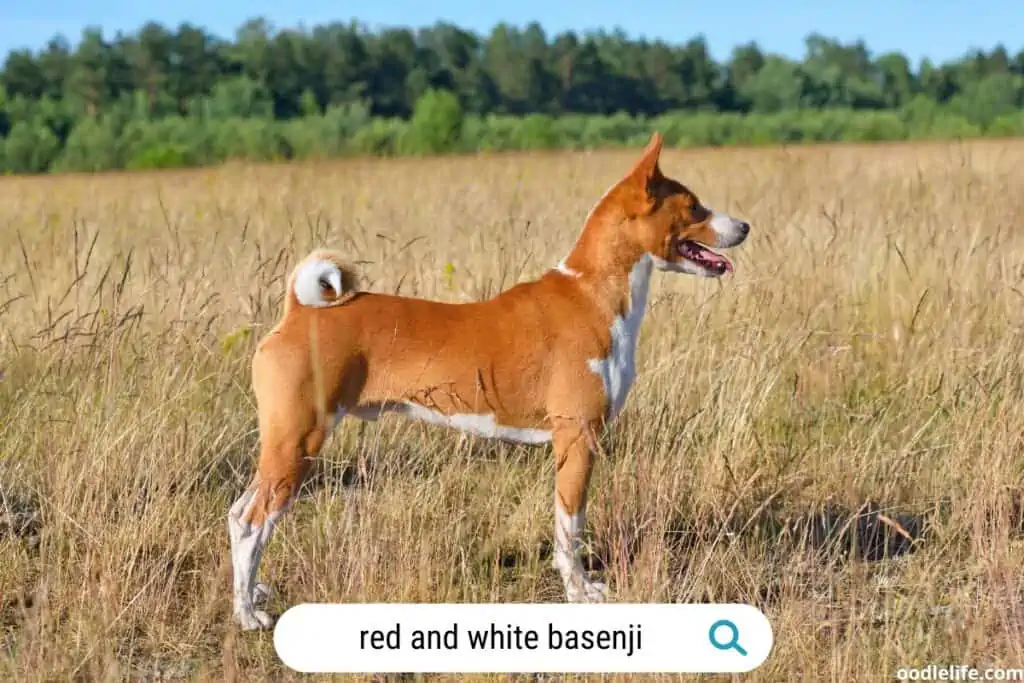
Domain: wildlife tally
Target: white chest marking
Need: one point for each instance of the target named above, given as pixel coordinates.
(618, 369)
(483, 425)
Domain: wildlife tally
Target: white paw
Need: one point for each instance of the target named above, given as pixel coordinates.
(582, 589)
(260, 594)
(254, 620)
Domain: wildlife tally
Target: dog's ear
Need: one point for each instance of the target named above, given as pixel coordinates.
(635, 194)
(646, 168)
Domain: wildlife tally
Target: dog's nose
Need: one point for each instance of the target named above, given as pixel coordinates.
(744, 227)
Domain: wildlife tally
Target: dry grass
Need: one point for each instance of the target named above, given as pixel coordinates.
(866, 356)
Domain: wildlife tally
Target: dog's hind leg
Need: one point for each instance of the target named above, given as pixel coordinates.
(282, 467)
(574, 443)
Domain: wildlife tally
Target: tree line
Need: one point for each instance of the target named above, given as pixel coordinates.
(162, 97)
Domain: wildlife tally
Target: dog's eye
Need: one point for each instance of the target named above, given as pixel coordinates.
(325, 285)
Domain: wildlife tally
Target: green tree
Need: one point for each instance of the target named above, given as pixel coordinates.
(54, 63)
(983, 101)
(776, 86)
(5, 118)
(345, 63)
(86, 83)
(30, 147)
(897, 84)
(91, 146)
(436, 123)
(196, 65)
(746, 62)
(21, 75)
(241, 97)
(179, 95)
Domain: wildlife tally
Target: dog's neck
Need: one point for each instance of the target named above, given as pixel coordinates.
(608, 263)
(604, 247)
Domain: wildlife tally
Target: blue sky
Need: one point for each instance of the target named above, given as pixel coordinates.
(939, 29)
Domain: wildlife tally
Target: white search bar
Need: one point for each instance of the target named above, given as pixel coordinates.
(523, 638)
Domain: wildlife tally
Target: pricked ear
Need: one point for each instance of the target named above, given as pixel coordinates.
(646, 167)
(634, 193)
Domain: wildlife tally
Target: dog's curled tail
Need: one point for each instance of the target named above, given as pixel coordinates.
(320, 280)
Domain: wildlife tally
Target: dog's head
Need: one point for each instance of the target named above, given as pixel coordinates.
(666, 219)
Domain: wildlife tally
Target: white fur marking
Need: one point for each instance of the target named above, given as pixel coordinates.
(729, 230)
(565, 558)
(247, 545)
(566, 270)
(483, 425)
(307, 282)
(618, 370)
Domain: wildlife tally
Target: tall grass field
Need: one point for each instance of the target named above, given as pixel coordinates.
(834, 433)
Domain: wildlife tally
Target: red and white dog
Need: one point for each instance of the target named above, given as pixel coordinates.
(545, 361)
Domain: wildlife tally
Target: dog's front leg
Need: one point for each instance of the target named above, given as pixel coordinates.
(574, 445)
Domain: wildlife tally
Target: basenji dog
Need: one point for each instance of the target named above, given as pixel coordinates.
(546, 361)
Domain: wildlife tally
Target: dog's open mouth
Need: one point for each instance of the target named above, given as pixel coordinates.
(704, 257)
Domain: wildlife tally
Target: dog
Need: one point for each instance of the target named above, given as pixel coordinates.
(546, 361)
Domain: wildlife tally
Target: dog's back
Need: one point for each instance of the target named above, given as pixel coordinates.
(357, 353)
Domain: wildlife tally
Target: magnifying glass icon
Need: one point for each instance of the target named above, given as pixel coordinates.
(732, 642)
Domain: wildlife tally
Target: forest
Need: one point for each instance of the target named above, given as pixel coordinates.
(174, 97)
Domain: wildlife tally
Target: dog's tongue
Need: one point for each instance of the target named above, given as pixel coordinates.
(705, 257)
(716, 260)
